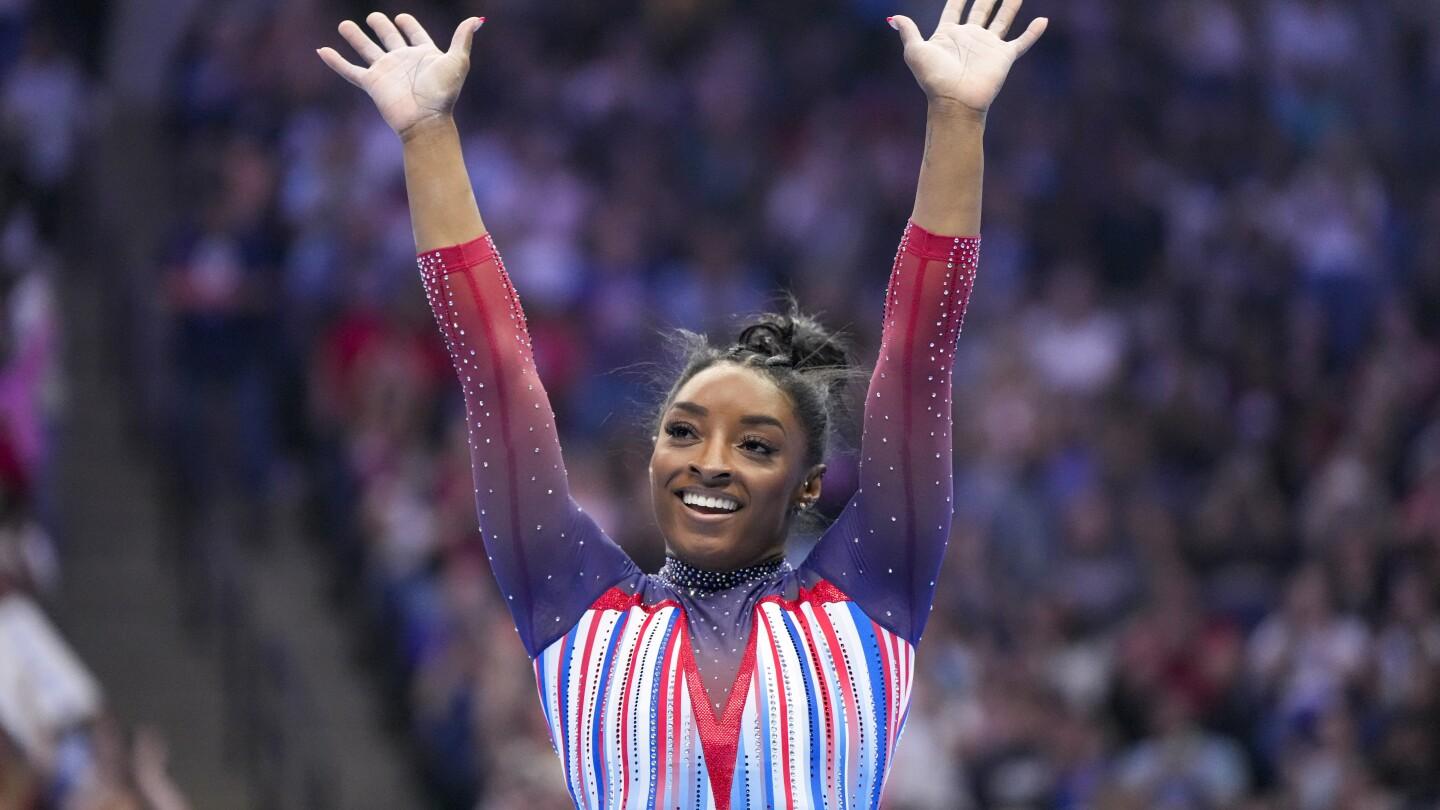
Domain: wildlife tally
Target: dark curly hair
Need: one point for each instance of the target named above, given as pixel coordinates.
(808, 362)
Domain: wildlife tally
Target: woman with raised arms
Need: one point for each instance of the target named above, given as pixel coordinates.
(728, 679)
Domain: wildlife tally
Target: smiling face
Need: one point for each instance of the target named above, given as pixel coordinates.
(727, 468)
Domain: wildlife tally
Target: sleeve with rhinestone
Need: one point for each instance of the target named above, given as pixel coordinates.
(884, 550)
(549, 557)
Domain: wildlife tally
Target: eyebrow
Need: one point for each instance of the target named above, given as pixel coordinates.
(747, 419)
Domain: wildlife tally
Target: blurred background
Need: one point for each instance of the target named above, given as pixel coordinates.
(1196, 555)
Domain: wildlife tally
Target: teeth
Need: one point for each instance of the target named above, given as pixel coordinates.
(707, 500)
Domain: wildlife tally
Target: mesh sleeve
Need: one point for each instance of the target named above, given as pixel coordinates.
(550, 558)
(884, 550)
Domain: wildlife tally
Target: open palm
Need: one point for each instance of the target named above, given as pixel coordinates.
(967, 64)
(410, 82)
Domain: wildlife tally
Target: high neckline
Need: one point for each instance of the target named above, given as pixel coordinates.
(679, 574)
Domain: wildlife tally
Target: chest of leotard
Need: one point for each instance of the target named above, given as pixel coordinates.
(813, 710)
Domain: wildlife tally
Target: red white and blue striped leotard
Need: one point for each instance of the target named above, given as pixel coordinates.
(787, 691)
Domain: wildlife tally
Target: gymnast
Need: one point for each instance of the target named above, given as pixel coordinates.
(729, 679)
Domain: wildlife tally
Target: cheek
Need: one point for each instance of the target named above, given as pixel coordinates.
(659, 470)
(770, 487)
(657, 460)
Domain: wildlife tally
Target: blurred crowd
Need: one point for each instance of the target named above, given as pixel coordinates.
(60, 745)
(46, 697)
(1196, 554)
(52, 724)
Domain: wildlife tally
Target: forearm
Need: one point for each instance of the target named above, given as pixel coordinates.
(442, 204)
(952, 170)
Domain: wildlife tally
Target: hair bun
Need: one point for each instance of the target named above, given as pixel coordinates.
(772, 339)
(791, 339)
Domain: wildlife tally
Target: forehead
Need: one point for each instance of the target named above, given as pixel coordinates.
(728, 390)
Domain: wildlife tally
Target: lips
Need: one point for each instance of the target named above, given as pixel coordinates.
(710, 505)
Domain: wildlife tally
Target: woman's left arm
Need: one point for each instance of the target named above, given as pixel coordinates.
(884, 551)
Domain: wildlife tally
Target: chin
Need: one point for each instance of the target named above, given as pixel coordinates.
(710, 553)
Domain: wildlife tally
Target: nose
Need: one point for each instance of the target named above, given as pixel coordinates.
(711, 467)
(711, 477)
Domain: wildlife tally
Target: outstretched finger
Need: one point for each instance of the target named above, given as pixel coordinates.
(351, 73)
(361, 42)
(1004, 17)
(386, 30)
(1032, 33)
(464, 36)
(412, 29)
(951, 14)
(980, 12)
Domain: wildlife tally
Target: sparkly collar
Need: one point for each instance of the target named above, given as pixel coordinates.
(678, 574)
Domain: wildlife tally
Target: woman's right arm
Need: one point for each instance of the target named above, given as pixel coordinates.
(551, 560)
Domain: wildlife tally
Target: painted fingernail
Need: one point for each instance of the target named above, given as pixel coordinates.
(892, 22)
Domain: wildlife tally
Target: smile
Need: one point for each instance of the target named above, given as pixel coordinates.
(709, 504)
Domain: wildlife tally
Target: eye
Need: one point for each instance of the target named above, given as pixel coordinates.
(757, 445)
(678, 430)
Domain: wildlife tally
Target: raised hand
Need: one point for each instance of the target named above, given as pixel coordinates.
(410, 82)
(967, 64)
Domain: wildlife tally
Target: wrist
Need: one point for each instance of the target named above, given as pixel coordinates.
(954, 112)
(427, 127)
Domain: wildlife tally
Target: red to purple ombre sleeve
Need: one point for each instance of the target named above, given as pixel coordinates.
(550, 559)
(884, 550)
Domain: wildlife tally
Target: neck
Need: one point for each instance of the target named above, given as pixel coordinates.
(679, 574)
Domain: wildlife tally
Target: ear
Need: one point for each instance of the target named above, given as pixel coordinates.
(810, 489)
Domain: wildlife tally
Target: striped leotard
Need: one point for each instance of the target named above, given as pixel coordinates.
(783, 688)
